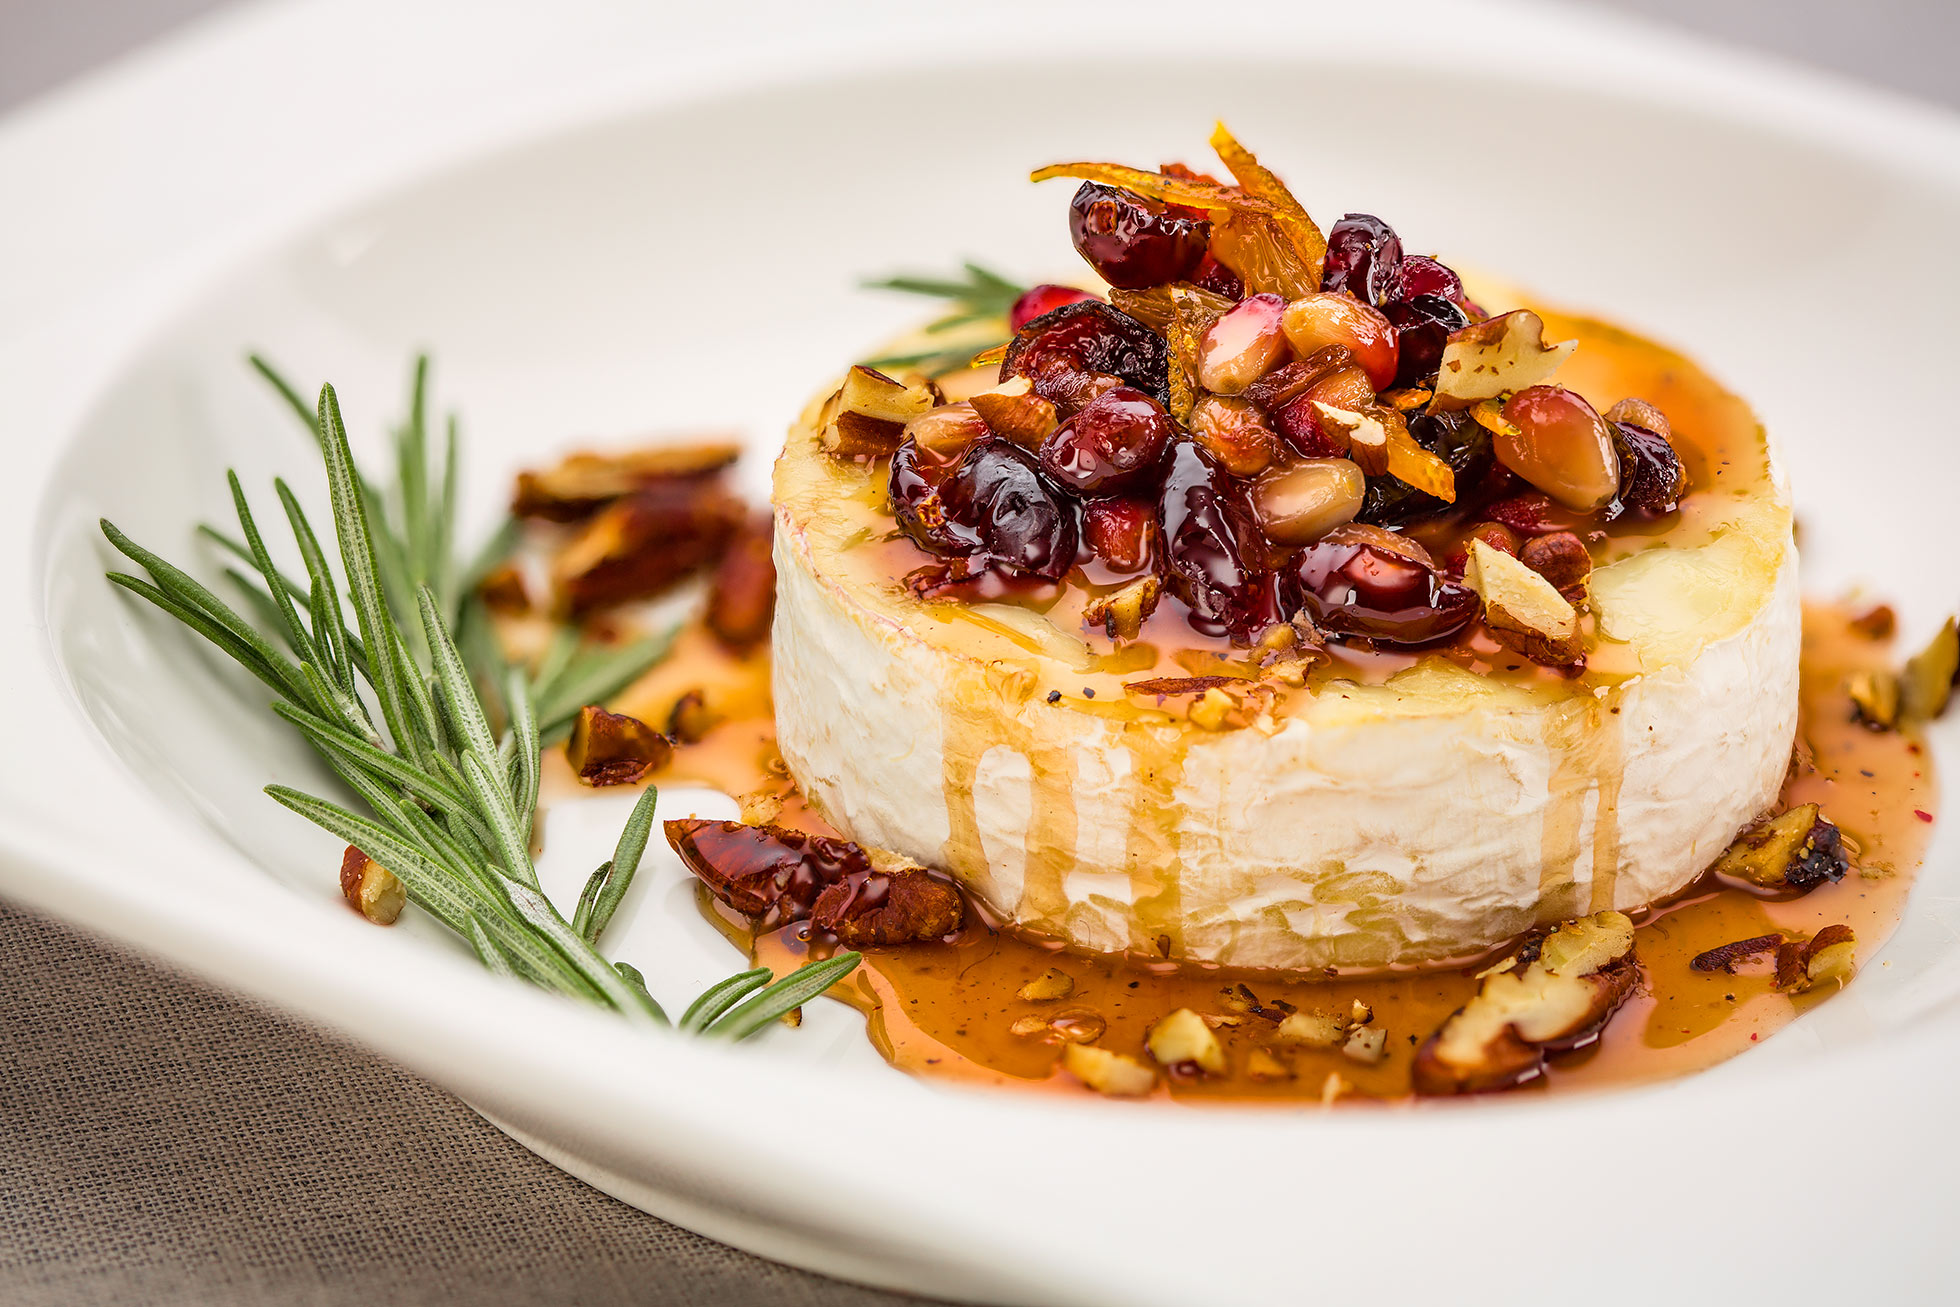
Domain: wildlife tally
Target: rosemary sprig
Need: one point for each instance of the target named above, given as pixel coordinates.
(977, 313)
(449, 777)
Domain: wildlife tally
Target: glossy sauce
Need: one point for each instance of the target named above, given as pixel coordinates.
(951, 1008)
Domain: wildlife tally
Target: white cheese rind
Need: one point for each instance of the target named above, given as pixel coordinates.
(1356, 835)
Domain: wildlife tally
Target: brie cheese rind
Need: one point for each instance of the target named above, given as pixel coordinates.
(1356, 826)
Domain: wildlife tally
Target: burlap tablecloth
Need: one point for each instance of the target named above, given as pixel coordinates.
(164, 1143)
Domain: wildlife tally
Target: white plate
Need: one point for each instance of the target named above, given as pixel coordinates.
(634, 221)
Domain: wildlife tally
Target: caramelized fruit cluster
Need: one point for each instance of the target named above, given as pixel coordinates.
(1257, 417)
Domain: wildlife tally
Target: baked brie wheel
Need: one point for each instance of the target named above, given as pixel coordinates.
(1368, 815)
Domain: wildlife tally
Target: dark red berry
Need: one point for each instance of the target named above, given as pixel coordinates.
(1131, 242)
(1364, 259)
(1064, 352)
(1042, 299)
(1215, 277)
(1422, 275)
(914, 484)
(1365, 581)
(1651, 476)
(1211, 545)
(1423, 324)
(1534, 514)
(1300, 425)
(1114, 443)
(1026, 526)
(1121, 532)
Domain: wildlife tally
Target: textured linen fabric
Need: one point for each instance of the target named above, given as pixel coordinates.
(164, 1143)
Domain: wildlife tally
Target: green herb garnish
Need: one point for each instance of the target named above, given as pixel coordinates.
(448, 772)
(977, 313)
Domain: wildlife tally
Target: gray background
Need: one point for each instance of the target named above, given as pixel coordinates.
(162, 1143)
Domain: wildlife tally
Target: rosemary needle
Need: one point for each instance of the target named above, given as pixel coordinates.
(449, 778)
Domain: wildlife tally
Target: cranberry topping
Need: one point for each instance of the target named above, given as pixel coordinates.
(1422, 275)
(1121, 532)
(1423, 324)
(1115, 443)
(1211, 545)
(1026, 525)
(1064, 352)
(1364, 259)
(1042, 299)
(1132, 242)
(1215, 277)
(769, 872)
(1651, 477)
(914, 485)
(1365, 581)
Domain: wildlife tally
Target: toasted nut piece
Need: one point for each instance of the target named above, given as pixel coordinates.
(742, 595)
(692, 718)
(1560, 558)
(1367, 1045)
(370, 888)
(1261, 1064)
(503, 591)
(1232, 706)
(1874, 698)
(644, 544)
(1361, 1014)
(1108, 1073)
(1495, 357)
(1013, 411)
(1049, 986)
(1378, 439)
(613, 749)
(1927, 685)
(1876, 623)
(870, 393)
(1235, 433)
(853, 436)
(1725, 956)
(1798, 850)
(583, 483)
(1121, 613)
(1522, 608)
(1183, 1037)
(1314, 1029)
(1499, 1038)
(1830, 956)
(1639, 413)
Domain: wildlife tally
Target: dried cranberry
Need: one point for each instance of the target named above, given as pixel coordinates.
(1113, 444)
(1422, 275)
(1364, 259)
(1064, 351)
(1121, 532)
(769, 872)
(1300, 425)
(1424, 324)
(1132, 242)
(1211, 545)
(1651, 477)
(1042, 299)
(1025, 525)
(914, 484)
(1534, 514)
(1365, 581)
(1218, 279)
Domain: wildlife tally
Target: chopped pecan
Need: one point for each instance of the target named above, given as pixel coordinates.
(1560, 558)
(581, 484)
(1523, 609)
(1122, 613)
(1167, 686)
(609, 748)
(1182, 1041)
(640, 546)
(1798, 850)
(1725, 956)
(1874, 698)
(1926, 685)
(370, 888)
(691, 718)
(1876, 623)
(503, 591)
(781, 875)
(742, 597)
(1584, 970)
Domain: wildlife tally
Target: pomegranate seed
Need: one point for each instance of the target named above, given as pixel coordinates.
(1300, 504)
(1423, 325)
(1042, 299)
(1215, 277)
(1362, 580)
(1364, 259)
(1235, 433)
(1121, 532)
(1115, 442)
(1561, 446)
(1422, 275)
(1131, 242)
(1069, 351)
(1317, 321)
(1243, 345)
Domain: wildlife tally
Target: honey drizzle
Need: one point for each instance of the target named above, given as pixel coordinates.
(1152, 851)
